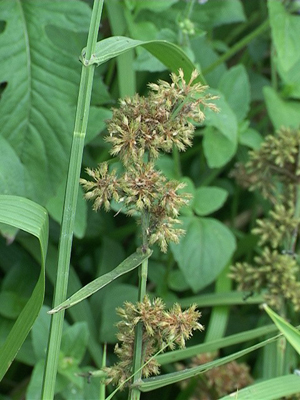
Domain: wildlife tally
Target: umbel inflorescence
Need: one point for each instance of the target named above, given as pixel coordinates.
(274, 170)
(139, 130)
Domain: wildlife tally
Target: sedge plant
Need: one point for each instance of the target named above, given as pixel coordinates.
(139, 130)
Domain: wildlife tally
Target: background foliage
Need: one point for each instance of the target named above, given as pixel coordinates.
(249, 54)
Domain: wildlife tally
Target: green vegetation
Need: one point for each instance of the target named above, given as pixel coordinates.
(180, 274)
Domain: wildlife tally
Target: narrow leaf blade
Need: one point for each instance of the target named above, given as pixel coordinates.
(209, 347)
(168, 53)
(291, 333)
(32, 218)
(272, 389)
(163, 380)
(131, 262)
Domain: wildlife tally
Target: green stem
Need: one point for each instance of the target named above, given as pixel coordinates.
(68, 219)
(138, 357)
(120, 20)
(237, 47)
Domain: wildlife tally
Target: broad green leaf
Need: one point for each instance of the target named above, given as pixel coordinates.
(74, 341)
(204, 251)
(208, 199)
(11, 169)
(272, 389)
(163, 380)
(205, 55)
(32, 218)
(39, 334)
(168, 53)
(215, 345)
(218, 149)
(282, 112)
(291, 333)
(130, 263)
(291, 79)
(218, 12)
(285, 30)
(224, 120)
(235, 86)
(220, 144)
(250, 138)
(153, 5)
(257, 83)
(37, 107)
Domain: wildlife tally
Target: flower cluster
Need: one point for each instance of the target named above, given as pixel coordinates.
(275, 162)
(217, 382)
(139, 129)
(160, 121)
(161, 329)
(274, 170)
(275, 272)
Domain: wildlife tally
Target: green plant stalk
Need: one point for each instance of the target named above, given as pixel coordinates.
(281, 347)
(71, 194)
(138, 357)
(219, 317)
(102, 381)
(237, 47)
(125, 70)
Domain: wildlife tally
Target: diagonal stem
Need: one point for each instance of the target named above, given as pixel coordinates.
(71, 194)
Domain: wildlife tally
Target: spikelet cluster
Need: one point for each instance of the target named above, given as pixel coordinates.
(161, 329)
(139, 130)
(274, 170)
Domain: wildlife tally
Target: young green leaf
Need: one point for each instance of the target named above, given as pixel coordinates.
(204, 251)
(282, 112)
(131, 262)
(208, 199)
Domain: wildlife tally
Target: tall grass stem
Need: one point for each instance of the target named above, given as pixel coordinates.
(69, 210)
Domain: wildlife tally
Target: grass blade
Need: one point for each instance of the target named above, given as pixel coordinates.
(271, 389)
(290, 332)
(220, 299)
(130, 263)
(157, 382)
(215, 345)
(168, 53)
(32, 218)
